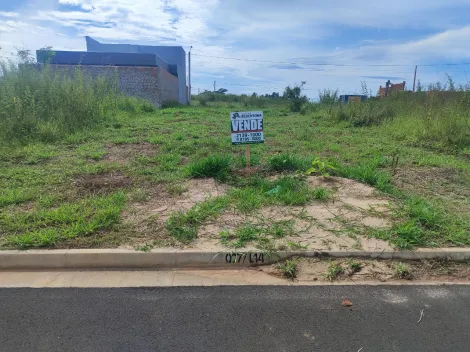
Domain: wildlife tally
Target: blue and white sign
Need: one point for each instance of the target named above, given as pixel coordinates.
(247, 127)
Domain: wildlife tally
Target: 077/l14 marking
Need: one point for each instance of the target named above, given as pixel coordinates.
(254, 258)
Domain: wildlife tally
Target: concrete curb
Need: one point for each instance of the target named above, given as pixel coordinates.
(161, 258)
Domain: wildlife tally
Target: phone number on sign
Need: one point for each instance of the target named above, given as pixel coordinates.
(247, 137)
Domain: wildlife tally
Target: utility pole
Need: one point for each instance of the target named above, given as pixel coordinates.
(214, 86)
(414, 80)
(189, 84)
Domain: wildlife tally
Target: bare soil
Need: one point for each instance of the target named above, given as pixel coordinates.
(101, 183)
(125, 153)
(332, 225)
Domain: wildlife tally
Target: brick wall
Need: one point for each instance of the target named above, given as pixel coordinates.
(169, 90)
(154, 84)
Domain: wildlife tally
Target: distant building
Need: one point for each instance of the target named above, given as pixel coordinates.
(173, 56)
(390, 87)
(155, 73)
(350, 98)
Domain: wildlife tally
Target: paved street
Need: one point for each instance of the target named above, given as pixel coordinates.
(244, 318)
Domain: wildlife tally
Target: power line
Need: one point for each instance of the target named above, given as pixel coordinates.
(325, 64)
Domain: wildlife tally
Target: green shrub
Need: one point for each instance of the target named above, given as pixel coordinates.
(216, 166)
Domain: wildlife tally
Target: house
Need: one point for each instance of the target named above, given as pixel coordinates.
(154, 73)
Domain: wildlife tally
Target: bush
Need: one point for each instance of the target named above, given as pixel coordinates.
(37, 103)
(202, 101)
(295, 97)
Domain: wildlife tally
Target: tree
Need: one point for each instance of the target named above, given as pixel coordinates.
(221, 91)
(294, 95)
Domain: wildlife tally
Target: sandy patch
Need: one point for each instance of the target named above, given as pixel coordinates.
(149, 217)
(333, 225)
(319, 226)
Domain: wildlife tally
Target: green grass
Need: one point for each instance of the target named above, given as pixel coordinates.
(216, 166)
(40, 171)
(289, 268)
(287, 162)
(46, 226)
(353, 266)
(242, 235)
(183, 226)
(262, 234)
(334, 271)
(403, 271)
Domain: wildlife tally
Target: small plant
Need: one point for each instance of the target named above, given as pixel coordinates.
(353, 266)
(320, 167)
(403, 271)
(183, 226)
(144, 248)
(289, 268)
(320, 193)
(334, 271)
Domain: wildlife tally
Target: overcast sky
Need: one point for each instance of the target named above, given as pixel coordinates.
(285, 39)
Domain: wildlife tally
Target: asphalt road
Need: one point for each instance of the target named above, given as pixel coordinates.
(244, 318)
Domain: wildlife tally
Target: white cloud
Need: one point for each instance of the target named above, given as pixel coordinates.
(8, 14)
(271, 30)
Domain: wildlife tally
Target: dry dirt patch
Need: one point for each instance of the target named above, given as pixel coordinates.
(148, 218)
(124, 153)
(332, 225)
(432, 181)
(102, 183)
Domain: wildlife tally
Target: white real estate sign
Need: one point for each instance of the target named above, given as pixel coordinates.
(247, 127)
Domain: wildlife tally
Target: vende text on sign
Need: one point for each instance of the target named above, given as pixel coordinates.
(247, 127)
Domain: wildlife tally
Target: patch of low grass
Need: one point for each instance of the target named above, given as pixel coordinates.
(280, 229)
(368, 174)
(16, 196)
(46, 227)
(423, 224)
(403, 271)
(353, 266)
(320, 193)
(287, 162)
(216, 166)
(245, 200)
(183, 226)
(242, 236)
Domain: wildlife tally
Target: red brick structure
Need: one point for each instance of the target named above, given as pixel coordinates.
(390, 87)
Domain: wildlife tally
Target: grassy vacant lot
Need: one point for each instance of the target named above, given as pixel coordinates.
(88, 187)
